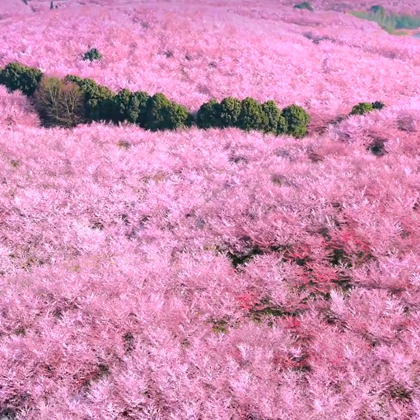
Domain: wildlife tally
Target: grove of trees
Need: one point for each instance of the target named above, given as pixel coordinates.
(74, 100)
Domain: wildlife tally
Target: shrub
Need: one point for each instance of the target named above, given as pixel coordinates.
(273, 121)
(16, 76)
(251, 116)
(229, 111)
(162, 114)
(304, 5)
(208, 116)
(97, 99)
(58, 102)
(361, 108)
(378, 105)
(92, 54)
(297, 120)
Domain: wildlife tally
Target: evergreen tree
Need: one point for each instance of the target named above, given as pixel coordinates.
(297, 120)
(273, 121)
(378, 105)
(125, 107)
(140, 99)
(177, 116)
(162, 114)
(208, 116)
(251, 116)
(230, 109)
(92, 54)
(16, 76)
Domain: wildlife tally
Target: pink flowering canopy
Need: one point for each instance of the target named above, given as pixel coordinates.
(212, 274)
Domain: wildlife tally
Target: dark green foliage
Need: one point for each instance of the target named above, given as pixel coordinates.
(98, 100)
(74, 100)
(140, 99)
(388, 21)
(379, 15)
(75, 79)
(92, 54)
(16, 76)
(378, 105)
(230, 109)
(242, 258)
(406, 22)
(377, 148)
(191, 120)
(361, 108)
(162, 114)
(208, 116)
(297, 120)
(155, 109)
(378, 10)
(177, 116)
(304, 5)
(251, 116)
(273, 121)
(127, 106)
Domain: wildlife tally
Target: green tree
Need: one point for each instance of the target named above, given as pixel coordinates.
(304, 5)
(140, 99)
(125, 107)
(362, 108)
(251, 116)
(156, 105)
(16, 76)
(230, 109)
(378, 105)
(92, 54)
(379, 14)
(208, 116)
(162, 114)
(273, 121)
(98, 100)
(178, 116)
(58, 103)
(297, 120)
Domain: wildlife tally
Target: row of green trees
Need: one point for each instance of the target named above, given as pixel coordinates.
(74, 100)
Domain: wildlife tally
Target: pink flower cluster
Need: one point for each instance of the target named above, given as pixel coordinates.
(212, 274)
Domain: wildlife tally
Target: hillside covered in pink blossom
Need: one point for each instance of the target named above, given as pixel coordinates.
(212, 274)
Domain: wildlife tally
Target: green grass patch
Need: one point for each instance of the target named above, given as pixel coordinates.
(390, 22)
